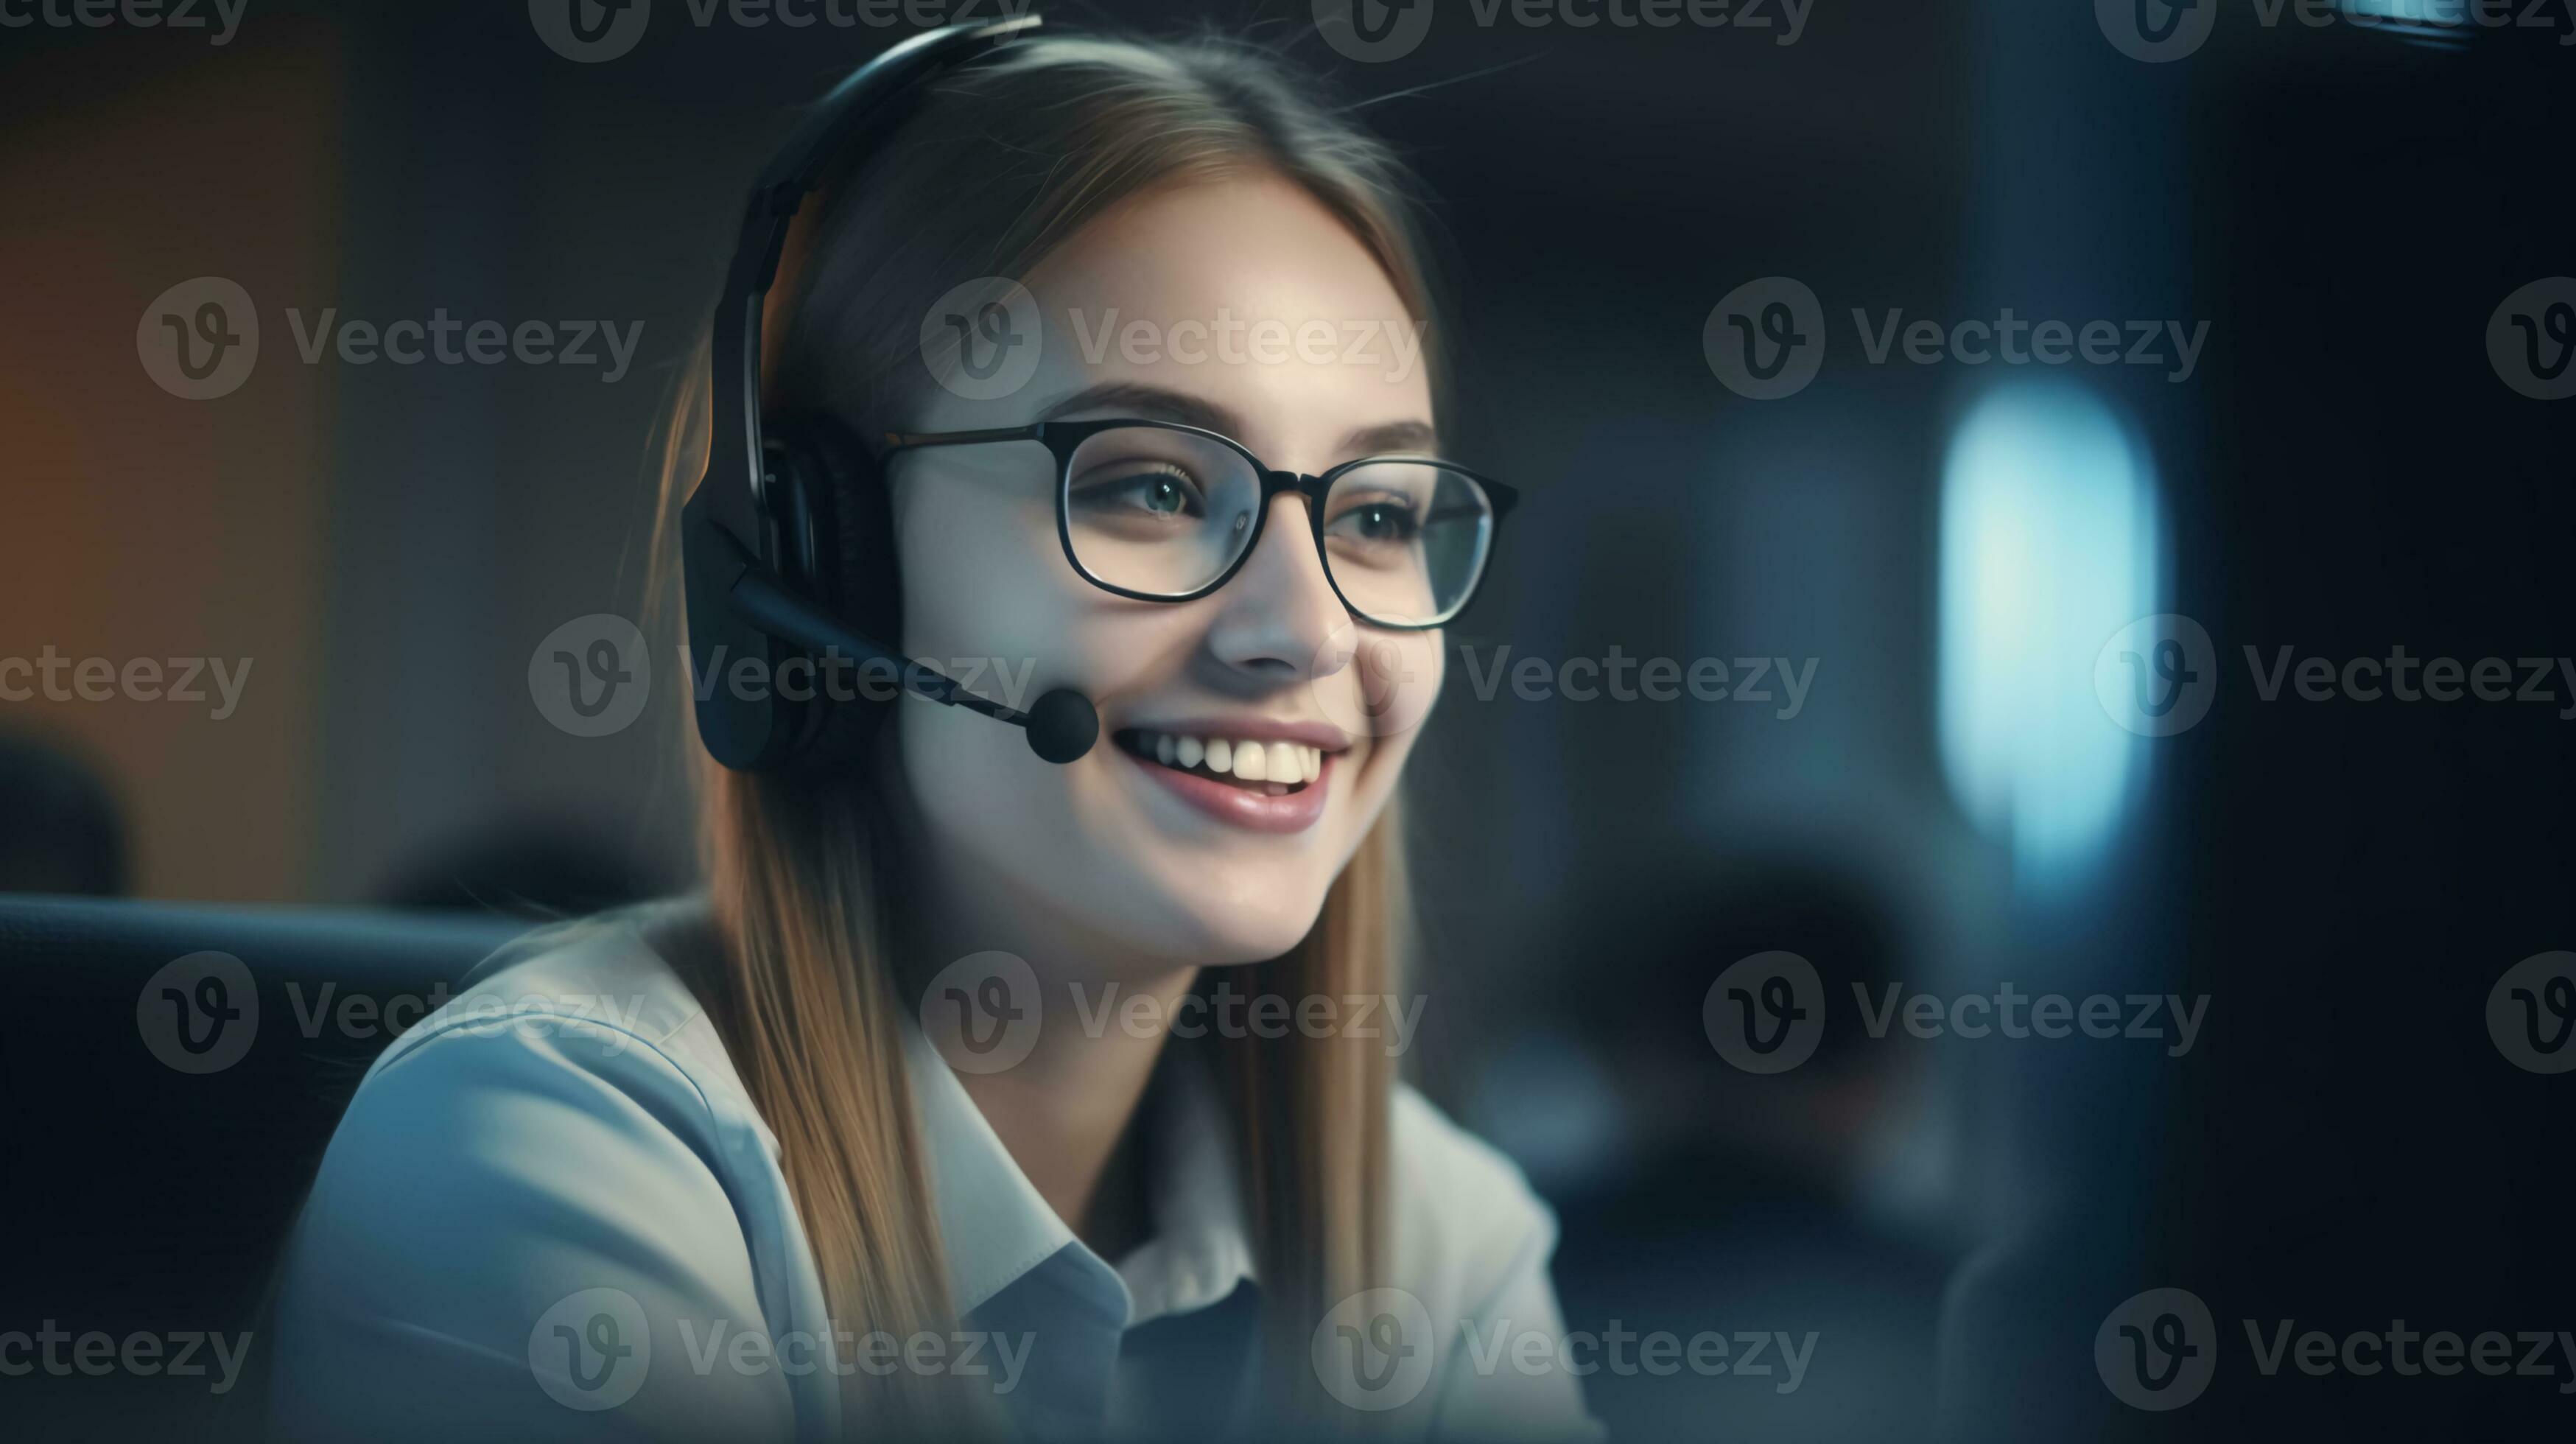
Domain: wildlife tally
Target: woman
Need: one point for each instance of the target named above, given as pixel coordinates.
(983, 1095)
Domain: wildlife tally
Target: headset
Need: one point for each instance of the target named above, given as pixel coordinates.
(789, 525)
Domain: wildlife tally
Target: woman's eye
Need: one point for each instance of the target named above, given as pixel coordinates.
(1385, 522)
(1163, 492)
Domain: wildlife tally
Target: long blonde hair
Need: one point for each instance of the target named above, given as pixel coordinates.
(1000, 165)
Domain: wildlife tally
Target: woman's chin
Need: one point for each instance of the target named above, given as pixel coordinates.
(1213, 933)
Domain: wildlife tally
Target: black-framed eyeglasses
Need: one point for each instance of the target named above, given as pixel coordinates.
(1162, 512)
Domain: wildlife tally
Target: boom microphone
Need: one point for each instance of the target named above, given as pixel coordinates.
(1062, 724)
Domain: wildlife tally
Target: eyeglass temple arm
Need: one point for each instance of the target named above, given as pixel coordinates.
(914, 440)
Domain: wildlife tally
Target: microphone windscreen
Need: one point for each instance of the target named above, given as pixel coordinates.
(1062, 725)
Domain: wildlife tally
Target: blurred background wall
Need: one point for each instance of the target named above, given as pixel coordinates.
(139, 528)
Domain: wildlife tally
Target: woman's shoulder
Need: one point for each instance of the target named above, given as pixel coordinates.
(579, 1050)
(1465, 1223)
(619, 980)
(561, 1140)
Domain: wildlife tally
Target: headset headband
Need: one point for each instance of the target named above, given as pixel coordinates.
(875, 98)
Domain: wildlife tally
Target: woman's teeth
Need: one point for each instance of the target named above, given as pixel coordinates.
(1280, 766)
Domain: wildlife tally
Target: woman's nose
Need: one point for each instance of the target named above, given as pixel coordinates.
(1279, 613)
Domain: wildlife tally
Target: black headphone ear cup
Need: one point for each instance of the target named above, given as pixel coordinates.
(832, 526)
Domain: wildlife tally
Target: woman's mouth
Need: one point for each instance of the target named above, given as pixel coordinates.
(1263, 784)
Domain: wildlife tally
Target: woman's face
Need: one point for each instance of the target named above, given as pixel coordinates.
(1119, 862)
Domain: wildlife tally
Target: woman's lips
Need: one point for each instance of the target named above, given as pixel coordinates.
(1245, 807)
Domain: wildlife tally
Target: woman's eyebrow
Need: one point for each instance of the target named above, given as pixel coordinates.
(1158, 403)
(1413, 436)
(1151, 403)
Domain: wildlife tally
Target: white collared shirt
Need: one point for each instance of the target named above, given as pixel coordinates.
(551, 1211)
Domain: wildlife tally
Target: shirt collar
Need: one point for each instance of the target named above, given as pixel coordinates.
(1201, 1246)
(996, 1227)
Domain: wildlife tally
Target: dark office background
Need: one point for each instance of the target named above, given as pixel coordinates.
(2344, 204)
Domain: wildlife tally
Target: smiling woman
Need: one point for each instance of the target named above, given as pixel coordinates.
(844, 1124)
